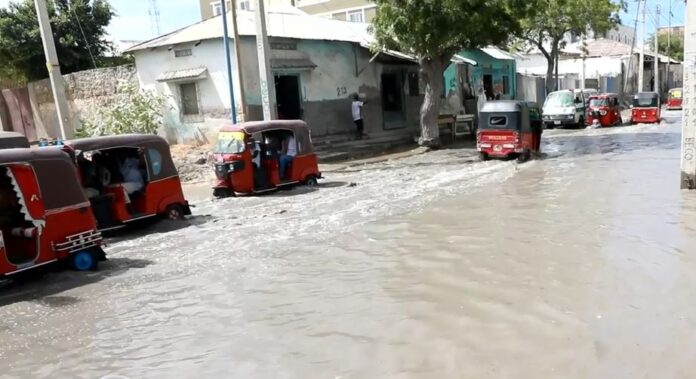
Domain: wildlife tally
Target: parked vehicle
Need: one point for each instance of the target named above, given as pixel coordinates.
(249, 157)
(128, 178)
(506, 130)
(645, 108)
(604, 110)
(10, 140)
(564, 108)
(674, 99)
(44, 215)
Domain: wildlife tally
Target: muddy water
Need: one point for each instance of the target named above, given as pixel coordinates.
(574, 266)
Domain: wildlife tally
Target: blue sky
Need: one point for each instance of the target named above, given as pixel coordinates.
(133, 21)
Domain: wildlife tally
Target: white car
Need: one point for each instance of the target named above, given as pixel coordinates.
(565, 108)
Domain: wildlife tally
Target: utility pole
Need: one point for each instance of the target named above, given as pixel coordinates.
(658, 87)
(53, 67)
(688, 150)
(266, 80)
(230, 81)
(669, 46)
(641, 64)
(238, 56)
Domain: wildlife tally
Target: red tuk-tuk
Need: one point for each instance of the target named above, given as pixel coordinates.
(44, 215)
(645, 108)
(128, 178)
(674, 99)
(251, 157)
(506, 130)
(604, 110)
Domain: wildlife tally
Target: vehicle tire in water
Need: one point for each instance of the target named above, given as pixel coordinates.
(523, 157)
(222, 193)
(483, 157)
(84, 260)
(311, 181)
(175, 212)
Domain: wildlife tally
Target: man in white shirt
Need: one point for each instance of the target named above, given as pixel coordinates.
(287, 154)
(356, 110)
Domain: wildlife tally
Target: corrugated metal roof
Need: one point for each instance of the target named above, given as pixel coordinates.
(460, 59)
(281, 22)
(497, 53)
(188, 73)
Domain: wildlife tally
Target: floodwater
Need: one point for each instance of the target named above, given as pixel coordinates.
(433, 266)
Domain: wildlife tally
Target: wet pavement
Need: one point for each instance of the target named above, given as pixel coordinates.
(429, 266)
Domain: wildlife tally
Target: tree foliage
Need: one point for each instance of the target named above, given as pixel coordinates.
(434, 30)
(546, 27)
(135, 111)
(21, 49)
(672, 46)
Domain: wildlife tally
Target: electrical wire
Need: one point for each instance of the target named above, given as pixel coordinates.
(84, 36)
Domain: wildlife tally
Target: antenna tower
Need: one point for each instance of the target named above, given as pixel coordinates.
(154, 18)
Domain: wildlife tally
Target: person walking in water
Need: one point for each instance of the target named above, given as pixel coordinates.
(356, 110)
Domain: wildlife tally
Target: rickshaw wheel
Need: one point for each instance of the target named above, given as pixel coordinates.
(523, 157)
(175, 212)
(84, 261)
(483, 156)
(311, 181)
(222, 193)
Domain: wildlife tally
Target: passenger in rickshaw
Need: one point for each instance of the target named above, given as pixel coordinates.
(90, 182)
(133, 181)
(288, 153)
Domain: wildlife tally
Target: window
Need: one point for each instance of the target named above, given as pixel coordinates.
(183, 53)
(245, 5)
(413, 84)
(217, 7)
(155, 159)
(506, 85)
(497, 121)
(355, 16)
(189, 98)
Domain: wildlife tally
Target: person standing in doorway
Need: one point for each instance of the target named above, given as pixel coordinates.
(356, 110)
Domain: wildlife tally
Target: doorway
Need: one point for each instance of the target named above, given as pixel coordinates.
(392, 101)
(288, 97)
(488, 86)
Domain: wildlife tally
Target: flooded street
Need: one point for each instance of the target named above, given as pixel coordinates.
(432, 266)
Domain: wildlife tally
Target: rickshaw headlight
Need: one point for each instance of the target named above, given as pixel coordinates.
(603, 112)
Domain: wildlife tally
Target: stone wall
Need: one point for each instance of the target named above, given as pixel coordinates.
(86, 92)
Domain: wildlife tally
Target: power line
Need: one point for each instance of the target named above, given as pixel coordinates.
(84, 36)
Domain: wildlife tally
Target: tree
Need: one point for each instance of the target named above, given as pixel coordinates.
(79, 28)
(546, 28)
(675, 44)
(134, 111)
(433, 31)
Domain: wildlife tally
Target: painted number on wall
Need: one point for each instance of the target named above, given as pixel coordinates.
(341, 91)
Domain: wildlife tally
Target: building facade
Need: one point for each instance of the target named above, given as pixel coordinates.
(317, 64)
(213, 8)
(344, 10)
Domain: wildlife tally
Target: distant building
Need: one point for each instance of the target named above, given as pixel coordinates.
(212, 8)
(344, 10)
(676, 31)
(623, 34)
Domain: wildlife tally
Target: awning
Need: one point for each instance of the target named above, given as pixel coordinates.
(498, 54)
(292, 64)
(196, 73)
(458, 59)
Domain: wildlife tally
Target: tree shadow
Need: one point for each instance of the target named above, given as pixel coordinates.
(43, 286)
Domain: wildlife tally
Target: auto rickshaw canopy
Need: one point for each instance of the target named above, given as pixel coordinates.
(9, 140)
(160, 163)
(505, 115)
(53, 169)
(298, 127)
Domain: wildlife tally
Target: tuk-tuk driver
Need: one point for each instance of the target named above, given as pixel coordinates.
(132, 178)
(287, 154)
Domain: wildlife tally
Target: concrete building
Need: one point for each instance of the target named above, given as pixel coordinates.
(317, 64)
(489, 68)
(346, 10)
(677, 31)
(212, 8)
(622, 33)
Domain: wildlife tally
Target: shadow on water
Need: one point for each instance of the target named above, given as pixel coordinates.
(43, 287)
(576, 145)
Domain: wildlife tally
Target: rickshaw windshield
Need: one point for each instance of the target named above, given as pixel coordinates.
(230, 143)
(676, 94)
(599, 102)
(560, 99)
(640, 101)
